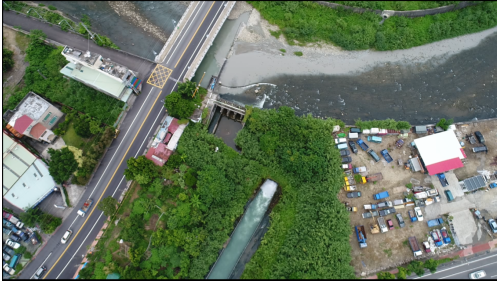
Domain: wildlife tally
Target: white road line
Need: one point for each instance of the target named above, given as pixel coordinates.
(41, 265)
(456, 266)
(116, 150)
(123, 177)
(469, 270)
(184, 32)
(80, 245)
(493, 276)
(73, 222)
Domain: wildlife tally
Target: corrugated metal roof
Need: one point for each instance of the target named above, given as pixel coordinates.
(7, 142)
(444, 166)
(474, 183)
(8, 178)
(24, 154)
(15, 164)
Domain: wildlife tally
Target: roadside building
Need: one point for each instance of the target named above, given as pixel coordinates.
(33, 117)
(420, 130)
(165, 141)
(440, 152)
(102, 74)
(25, 178)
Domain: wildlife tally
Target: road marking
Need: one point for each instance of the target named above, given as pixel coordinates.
(483, 265)
(184, 32)
(456, 266)
(78, 247)
(159, 76)
(121, 162)
(194, 35)
(104, 191)
(40, 265)
(493, 276)
(73, 222)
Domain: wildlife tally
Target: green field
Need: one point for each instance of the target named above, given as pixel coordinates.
(308, 22)
(396, 5)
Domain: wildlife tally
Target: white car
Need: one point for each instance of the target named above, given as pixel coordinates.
(12, 244)
(477, 274)
(418, 213)
(66, 236)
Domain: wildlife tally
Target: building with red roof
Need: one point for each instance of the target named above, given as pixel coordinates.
(166, 141)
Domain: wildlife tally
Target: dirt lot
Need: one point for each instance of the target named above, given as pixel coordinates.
(16, 42)
(387, 250)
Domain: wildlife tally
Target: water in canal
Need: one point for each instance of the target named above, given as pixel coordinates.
(138, 27)
(243, 232)
(225, 128)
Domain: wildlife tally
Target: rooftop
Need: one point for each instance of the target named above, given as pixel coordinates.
(474, 183)
(32, 106)
(95, 78)
(76, 54)
(440, 151)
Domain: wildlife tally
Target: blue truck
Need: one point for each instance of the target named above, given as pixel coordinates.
(374, 139)
(85, 207)
(434, 222)
(362, 144)
(381, 195)
(358, 170)
(442, 179)
(386, 155)
(413, 218)
(361, 235)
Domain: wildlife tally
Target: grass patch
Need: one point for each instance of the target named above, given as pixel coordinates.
(388, 252)
(41, 5)
(71, 138)
(22, 41)
(28, 255)
(397, 5)
(309, 22)
(66, 196)
(52, 8)
(298, 54)
(183, 121)
(283, 50)
(276, 34)
(19, 267)
(405, 242)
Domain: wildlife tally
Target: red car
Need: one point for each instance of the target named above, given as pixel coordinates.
(390, 225)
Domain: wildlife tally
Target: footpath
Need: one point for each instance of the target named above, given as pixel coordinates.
(469, 251)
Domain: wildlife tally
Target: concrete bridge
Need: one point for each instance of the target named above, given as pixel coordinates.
(198, 18)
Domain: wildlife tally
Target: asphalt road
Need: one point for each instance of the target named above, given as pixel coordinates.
(462, 268)
(62, 260)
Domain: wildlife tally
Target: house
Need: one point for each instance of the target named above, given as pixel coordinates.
(165, 141)
(440, 152)
(33, 117)
(420, 129)
(25, 177)
(102, 74)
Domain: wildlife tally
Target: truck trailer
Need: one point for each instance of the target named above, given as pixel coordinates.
(381, 195)
(414, 246)
(361, 235)
(413, 218)
(434, 222)
(85, 207)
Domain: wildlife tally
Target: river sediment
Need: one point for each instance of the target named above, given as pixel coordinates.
(453, 78)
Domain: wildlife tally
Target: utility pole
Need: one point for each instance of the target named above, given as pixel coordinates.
(199, 84)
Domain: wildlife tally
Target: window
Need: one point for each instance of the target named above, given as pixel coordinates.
(47, 117)
(53, 120)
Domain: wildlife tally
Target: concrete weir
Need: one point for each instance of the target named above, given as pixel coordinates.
(243, 232)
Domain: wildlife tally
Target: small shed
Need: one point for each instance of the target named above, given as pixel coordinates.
(374, 131)
(382, 132)
(415, 164)
(366, 131)
(474, 183)
(420, 129)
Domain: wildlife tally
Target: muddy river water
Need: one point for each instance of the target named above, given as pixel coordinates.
(462, 87)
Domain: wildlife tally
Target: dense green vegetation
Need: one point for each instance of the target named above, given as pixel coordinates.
(310, 22)
(62, 164)
(397, 5)
(444, 124)
(43, 77)
(383, 124)
(7, 60)
(181, 103)
(201, 193)
(57, 19)
(47, 222)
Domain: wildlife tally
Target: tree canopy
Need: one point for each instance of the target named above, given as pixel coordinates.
(7, 60)
(108, 206)
(62, 164)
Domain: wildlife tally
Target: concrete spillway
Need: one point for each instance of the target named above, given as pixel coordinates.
(243, 232)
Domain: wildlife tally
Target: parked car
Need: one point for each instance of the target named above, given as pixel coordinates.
(449, 196)
(418, 213)
(8, 250)
(390, 225)
(477, 274)
(12, 244)
(353, 147)
(15, 238)
(374, 155)
(481, 148)
(493, 225)
(479, 137)
(345, 152)
(354, 194)
(386, 212)
(7, 231)
(400, 220)
(346, 160)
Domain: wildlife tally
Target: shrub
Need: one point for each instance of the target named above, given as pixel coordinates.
(275, 33)
(444, 124)
(28, 255)
(401, 273)
(299, 54)
(283, 50)
(52, 8)
(7, 59)
(41, 5)
(385, 275)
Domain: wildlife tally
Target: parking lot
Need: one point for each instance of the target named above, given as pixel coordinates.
(391, 249)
